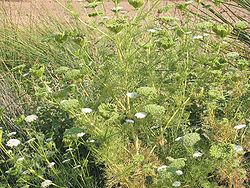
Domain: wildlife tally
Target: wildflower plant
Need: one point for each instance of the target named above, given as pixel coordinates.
(139, 100)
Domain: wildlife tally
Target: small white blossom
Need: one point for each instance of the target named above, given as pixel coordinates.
(162, 168)
(238, 148)
(129, 121)
(50, 165)
(176, 184)
(79, 135)
(179, 172)
(86, 110)
(178, 138)
(151, 30)
(46, 183)
(132, 95)
(197, 154)
(11, 134)
(198, 37)
(31, 118)
(20, 159)
(13, 142)
(116, 9)
(140, 115)
(242, 126)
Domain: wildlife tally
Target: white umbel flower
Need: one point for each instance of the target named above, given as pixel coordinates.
(176, 184)
(50, 165)
(140, 115)
(13, 143)
(197, 154)
(79, 135)
(46, 183)
(132, 94)
(198, 37)
(242, 126)
(151, 30)
(179, 172)
(238, 148)
(86, 110)
(31, 118)
(162, 168)
(117, 9)
(129, 121)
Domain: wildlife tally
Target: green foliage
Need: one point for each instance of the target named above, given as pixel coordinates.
(88, 81)
(136, 3)
(154, 109)
(191, 139)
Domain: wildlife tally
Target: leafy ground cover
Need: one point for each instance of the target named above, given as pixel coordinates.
(130, 100)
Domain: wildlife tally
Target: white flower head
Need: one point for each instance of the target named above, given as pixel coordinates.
(179, 172)
(178, 139)
(176, 184)
(50, 165)
(162, 168)
(13, 142)
(31, 118)
(11, 134)
(197, 154)
(198, 37)
(129, 121)
(241, 126)
(79, 135)
(116, 9)
(20, 159)
(46, 183)
(86, 110)
(141, 115)
(151, 30)
(238, 148)
(132, 95)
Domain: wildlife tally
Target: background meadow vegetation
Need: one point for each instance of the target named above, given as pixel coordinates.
(158, 97)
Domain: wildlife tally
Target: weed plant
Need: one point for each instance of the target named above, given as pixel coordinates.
(147, 100)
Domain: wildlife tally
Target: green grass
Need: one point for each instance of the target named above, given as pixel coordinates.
(145, 101)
